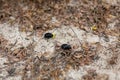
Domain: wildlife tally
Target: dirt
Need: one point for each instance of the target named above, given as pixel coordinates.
(91, 28)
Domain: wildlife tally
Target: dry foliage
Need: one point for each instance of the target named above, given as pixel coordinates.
(36, 16)
(93, 75)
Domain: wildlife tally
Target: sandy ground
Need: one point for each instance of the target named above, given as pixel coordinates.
(65, 35)
(106, 65)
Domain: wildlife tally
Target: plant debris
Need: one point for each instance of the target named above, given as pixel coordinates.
(36, 17)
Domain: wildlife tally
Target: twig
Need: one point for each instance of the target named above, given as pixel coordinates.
(76, 36)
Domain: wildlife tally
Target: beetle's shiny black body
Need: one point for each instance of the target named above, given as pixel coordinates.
(48, 35)
(65, 47)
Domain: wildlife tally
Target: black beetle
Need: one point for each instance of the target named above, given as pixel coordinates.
(65, 46)
(48, 35)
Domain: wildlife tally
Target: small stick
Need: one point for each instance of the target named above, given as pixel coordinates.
(76, 36)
